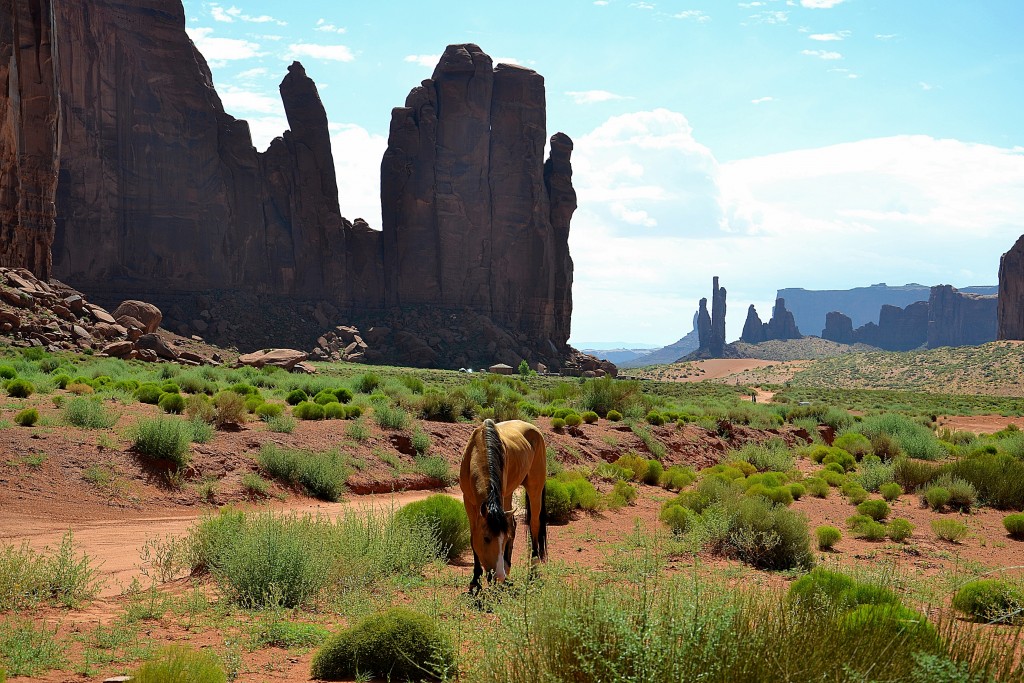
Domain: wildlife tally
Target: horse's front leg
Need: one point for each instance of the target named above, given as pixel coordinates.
(475, 586)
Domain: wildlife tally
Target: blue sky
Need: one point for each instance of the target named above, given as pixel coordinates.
(776, 143)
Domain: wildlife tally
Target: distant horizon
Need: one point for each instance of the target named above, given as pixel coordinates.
(827, 143)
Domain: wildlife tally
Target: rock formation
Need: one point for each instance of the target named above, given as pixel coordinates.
(781, 326)
(1011, 292)
(703, 325)
(161, 194)
(948, 318)
(29, 134)
(472, 216)
(956, 318)
(753, 328)
(716, 343)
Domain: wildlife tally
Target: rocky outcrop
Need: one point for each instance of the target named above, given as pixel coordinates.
(716, 343)
(956, 318)
(838, 328)
(29, 134)
(781, 326)
(703, 325)
(1011, 293)
(473, 217)
(753, 328)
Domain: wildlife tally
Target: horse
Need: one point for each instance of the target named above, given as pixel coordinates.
(498, 458)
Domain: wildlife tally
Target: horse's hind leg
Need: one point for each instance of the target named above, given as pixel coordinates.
(536, 513)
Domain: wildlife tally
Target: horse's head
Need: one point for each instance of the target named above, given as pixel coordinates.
(491, 534)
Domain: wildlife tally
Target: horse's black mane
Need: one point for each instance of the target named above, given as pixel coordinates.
(494, 509)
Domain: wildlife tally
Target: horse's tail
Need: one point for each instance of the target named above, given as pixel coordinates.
(542, 531)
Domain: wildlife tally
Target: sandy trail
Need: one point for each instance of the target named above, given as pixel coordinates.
(115, 545)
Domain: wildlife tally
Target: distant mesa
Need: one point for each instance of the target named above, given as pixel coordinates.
(1011, 293)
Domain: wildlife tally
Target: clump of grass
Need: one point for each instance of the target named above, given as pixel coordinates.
(949, 530)
(179, 663)
(1014, 525)
(875, 509)
(397, 644)
(60, 576)
(20, 388)
(173, 403)
(163, 438)
(442, 516)
(990, 601)
(307, 410)
(890, 491)
(231, 411)
(420, 442)
(390, 417)
(200, 431)
(435, 467)
(322, 475)
(936, 497)
(281, 424)
(28, 649)
(87, 413)
(622, 494)
(27, 417)
(255, 485)
(899, 530)
(827, 537)
(358, 431)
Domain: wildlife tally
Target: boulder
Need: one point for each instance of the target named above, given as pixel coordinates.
(147, 314)
(100, 315)
(156, 344)
(281, 358)
(118, 349)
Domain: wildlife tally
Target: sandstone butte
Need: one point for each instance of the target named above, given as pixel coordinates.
(119, 159)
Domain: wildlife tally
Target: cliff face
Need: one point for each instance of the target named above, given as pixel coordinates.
(716, 342)
(472, 214)
(753, 328)
(29, 134)
(781, 326)
(1011, 293)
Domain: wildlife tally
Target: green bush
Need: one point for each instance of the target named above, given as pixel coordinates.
(913, 474)
(281, 424)
(890, 491)
(163, 439)
(307, 410)
(998, 478)
(590, 417)
(172, 403)
(990, 600)
(265, 411)
(558, 501)
(443, 516)
(573, 420)
(27, 417)
(557, 424)
(677, 517)
(854, 492)
(816, 486)
(769, 536)
(962, 494)
(853, 443)
(87, 413)
(655, 418)
(936, 497)
(1014, 525)
(324, 397)
(797, 490)
(827, 537)
(255, 485)
(677, 478)
(949, 530)
(296, 396)
(353, 412)
(875, 509)
(914, 439)
(19, 388)
(613, 416)
(344, 395)
(253, 402)
(230, 409)
(390, 417)
(897, 622)
(397, 644)
(634, 464)
(178, 664)
(864, 527)
(623, 493)
(583, 495)
(334, 411)
(654, 473)
(899, 530)
(7, 372)
(322, 475)
(823, 589)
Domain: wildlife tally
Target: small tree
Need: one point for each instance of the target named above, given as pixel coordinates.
(524, 369)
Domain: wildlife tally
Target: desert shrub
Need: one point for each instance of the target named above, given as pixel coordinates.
(281, 424)
(397, 644)
(62, 381)
(163, 438)
(899, 530)
(962, 494)
(296, 396)
(307, 410)
(913, 474)
(890, 491)
(322, 475)
(200, 431)
(253, 402)
(590, 417)
(613, 416)
(87, 413)
(353, 412)
(199, 407)
(771, 456)
(875, 509)
(635, 465)
(255, 485)
(7, 372)
(439, 406)
(997, 477)
(1014, 525)
(557, 424)
(420, 441)
(334, 411)
(27, 417)
(148, 392)
(178, 663)
(840, 457)
(20, 388)
(769, 536)
(896, 622)
(853, 443)
(388, 417)
(265, 411)
(573, 420)
(990, 600)
(654, 473)
(558, 501)
(622, 494)
(677, 478)
(816, 486)
(831, 477)
(827, 537)
(170, 388)
(443, 516)
(949, 530)
(678, 518)
(367, 382)
(344, 395)
(854, 492)
(604, 395)
(865, 527)
(655, 418)
(797, 490)
(935, 497)
(230, 409)
(825, 590)
(172, 403)
(324, 397)
(435, 467)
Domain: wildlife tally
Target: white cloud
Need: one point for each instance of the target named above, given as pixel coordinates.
(252, 74)
(899, 209)
(357, 155)
(823, 54)
(327, 27)
(820, 4)
(771, 17)
(334, 53)
(240, 100)
(693, 15)
(886, 36)
(232, 13)
(751, 5)
(927, 86)
(825, 37)
(761, 100)
(594, 96)
(508, 60)
(429, 61)
(222, 49)
(642, 5)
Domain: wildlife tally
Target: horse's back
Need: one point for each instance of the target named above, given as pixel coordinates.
(523, 435)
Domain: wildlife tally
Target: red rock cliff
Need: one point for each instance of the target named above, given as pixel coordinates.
(29, 134)
(1011, 292)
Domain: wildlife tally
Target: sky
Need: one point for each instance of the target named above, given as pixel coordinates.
(822, 144)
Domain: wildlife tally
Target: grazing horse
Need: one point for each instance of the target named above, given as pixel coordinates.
(498, 458)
